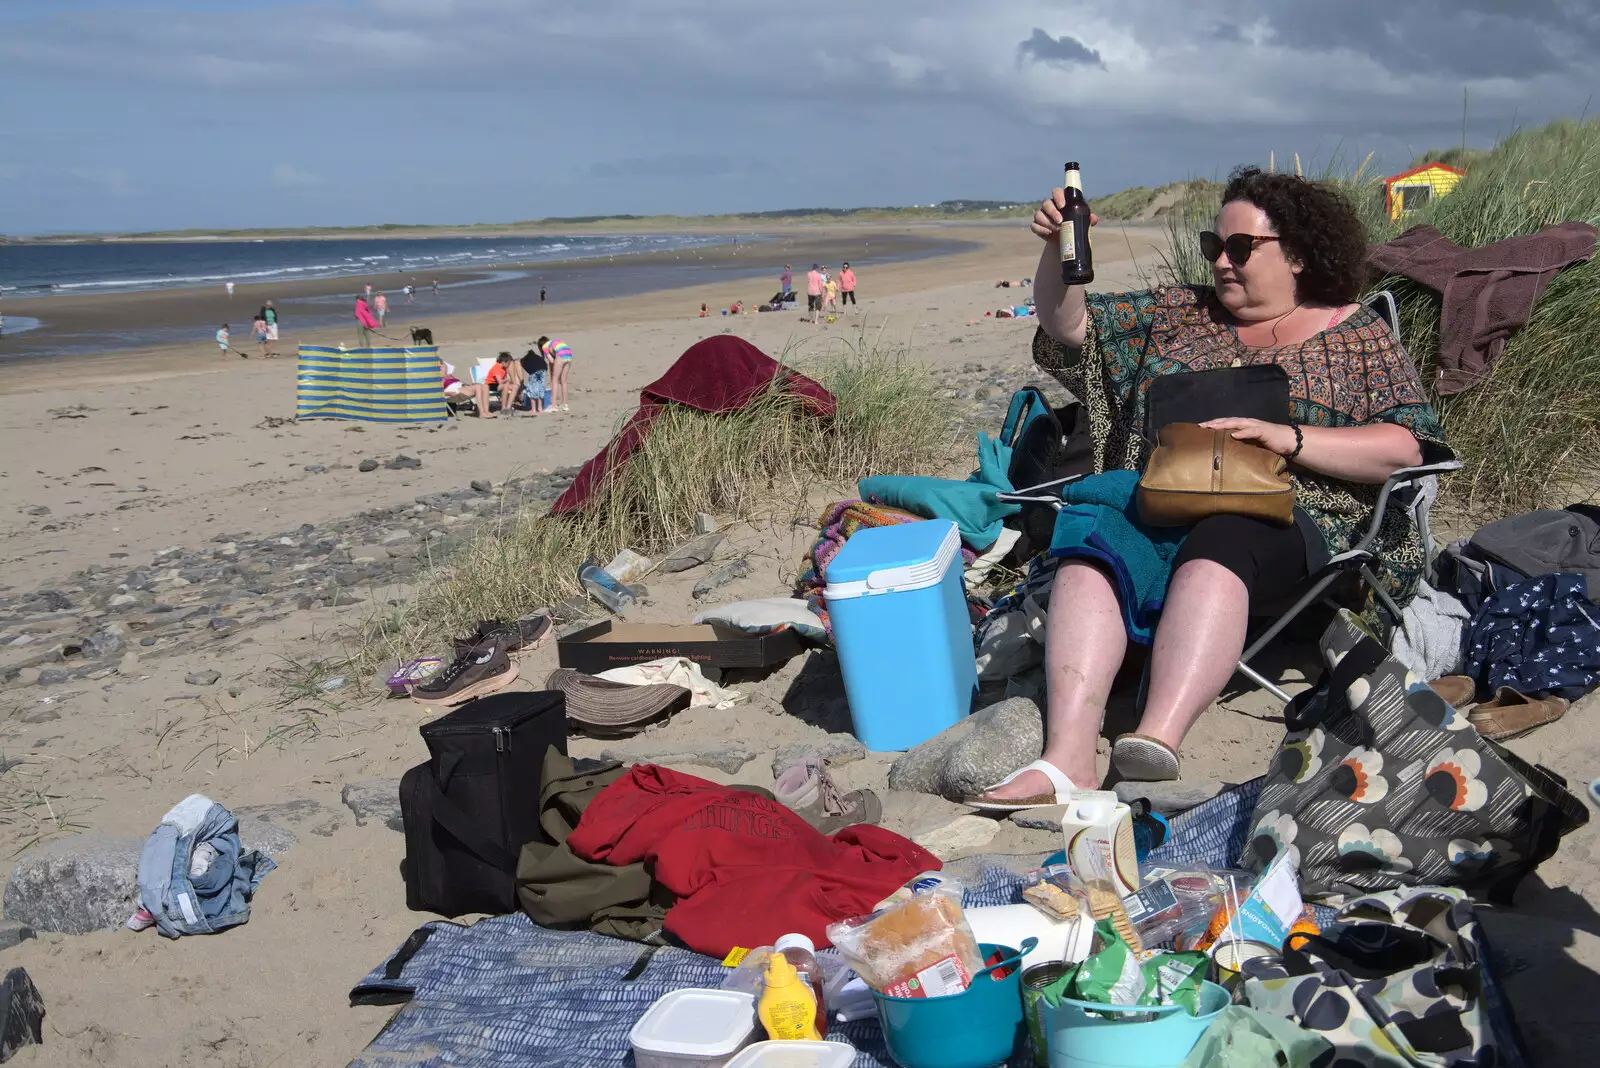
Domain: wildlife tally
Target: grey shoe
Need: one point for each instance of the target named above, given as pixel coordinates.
(807, 789)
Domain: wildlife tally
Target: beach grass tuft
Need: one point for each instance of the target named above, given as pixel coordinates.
(1529, 433)
(771, 454)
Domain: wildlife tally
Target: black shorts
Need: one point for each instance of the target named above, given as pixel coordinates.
(1270, 560)
(813, 303)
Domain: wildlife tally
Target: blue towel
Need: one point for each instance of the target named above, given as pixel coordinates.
(1101, 523)
(974, 507)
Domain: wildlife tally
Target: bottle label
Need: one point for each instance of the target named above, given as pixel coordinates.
(1069, 241)
(1075, 180)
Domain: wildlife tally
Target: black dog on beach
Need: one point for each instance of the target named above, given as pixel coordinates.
(421, 335)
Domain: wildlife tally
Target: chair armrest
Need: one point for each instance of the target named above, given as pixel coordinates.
(1044, 492)
(1403, 477)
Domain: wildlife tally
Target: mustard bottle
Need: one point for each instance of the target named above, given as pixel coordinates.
(787, 1008)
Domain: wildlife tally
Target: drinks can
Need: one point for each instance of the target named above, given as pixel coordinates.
(1034, 980)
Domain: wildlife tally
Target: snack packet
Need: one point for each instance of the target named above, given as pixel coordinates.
(1173, 978)
(918, 949)
(1112, 975)
(928, 882)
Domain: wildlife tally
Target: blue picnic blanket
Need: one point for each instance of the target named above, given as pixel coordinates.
(506, 993)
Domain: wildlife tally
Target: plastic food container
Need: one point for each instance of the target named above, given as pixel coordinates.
(902, 631)
(795, 1055)
(698, 1028)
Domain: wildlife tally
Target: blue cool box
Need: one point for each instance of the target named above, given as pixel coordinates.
(901, 628)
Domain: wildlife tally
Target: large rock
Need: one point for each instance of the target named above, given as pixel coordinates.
(910, 814)
(728, 573)
(300, 814)
(977, 752)
(834, 749)
(374, 799)
(14, 933)
(724, 756)
(960, 837)
(21, 1013)
(691, 555)
(1171, 798)
(75, 885)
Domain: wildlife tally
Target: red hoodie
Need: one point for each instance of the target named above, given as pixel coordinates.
(745, 869)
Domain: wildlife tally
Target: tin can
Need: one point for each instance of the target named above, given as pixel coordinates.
(1034, 980)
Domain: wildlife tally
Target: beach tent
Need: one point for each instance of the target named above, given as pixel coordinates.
(376, 385)
(1413, 190)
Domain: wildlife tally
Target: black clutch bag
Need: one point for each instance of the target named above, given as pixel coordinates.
(1260, 391)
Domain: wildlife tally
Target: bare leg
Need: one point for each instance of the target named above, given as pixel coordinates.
(480, 394)
(1198, 642)
(1084, 645)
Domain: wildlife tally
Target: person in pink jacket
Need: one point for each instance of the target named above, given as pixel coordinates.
(365, 320)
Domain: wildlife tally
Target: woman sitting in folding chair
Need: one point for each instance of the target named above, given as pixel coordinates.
(1288, 262)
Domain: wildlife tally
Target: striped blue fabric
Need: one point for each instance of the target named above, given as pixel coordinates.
(505, 992)
(376, 385)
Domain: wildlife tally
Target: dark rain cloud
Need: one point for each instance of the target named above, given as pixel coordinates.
(1063, 51)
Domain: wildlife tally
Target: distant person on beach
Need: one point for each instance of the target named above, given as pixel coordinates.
(369, 290)
(436, 287)
(541, 294)
(786, 280)
(535, 369)
(270, 314)
(505, 377)
(814, 291)
(847, 285)
(229, 286)
(223, 337)
(365, 320)
(830, 294)
(705, 310)
(380, 304)
(559, 355)
(258, 331)
(410, 289)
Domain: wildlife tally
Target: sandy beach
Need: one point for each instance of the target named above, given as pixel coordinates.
(165, 497)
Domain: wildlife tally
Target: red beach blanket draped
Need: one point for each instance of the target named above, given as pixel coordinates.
(718, 375)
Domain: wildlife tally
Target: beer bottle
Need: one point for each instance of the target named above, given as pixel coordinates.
(1077, 257)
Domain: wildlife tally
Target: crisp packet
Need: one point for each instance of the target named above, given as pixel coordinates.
(1112, 975)
(1173, 978)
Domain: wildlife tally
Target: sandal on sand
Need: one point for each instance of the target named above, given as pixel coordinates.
(1061, 790)
(1512, 714)
(1140, 758)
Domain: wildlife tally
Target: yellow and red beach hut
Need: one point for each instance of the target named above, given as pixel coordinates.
(1413, 190)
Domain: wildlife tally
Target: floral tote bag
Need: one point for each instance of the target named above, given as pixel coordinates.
(1402, 984)
(1380, 783)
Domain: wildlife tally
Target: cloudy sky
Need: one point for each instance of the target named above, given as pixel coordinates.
(213, 113)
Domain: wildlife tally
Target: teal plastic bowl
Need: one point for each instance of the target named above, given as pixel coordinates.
(1077, 1035)
(977, 1028)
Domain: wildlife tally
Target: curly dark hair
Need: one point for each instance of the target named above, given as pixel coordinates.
(1317, 228)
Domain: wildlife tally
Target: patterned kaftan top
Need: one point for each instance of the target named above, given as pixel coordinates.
(1350, 374)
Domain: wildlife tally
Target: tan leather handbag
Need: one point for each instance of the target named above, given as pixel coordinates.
(1194, 473)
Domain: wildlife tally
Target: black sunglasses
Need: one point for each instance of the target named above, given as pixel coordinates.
(1237, 246)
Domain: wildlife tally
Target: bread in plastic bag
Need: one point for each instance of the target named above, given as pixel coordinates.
(920, 948)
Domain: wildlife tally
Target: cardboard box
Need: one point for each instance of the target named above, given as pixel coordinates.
(608, 644)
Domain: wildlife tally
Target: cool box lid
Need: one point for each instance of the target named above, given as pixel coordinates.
(907, 556)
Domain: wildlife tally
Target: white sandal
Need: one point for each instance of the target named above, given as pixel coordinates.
(1061, 787)
(1140, 758)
